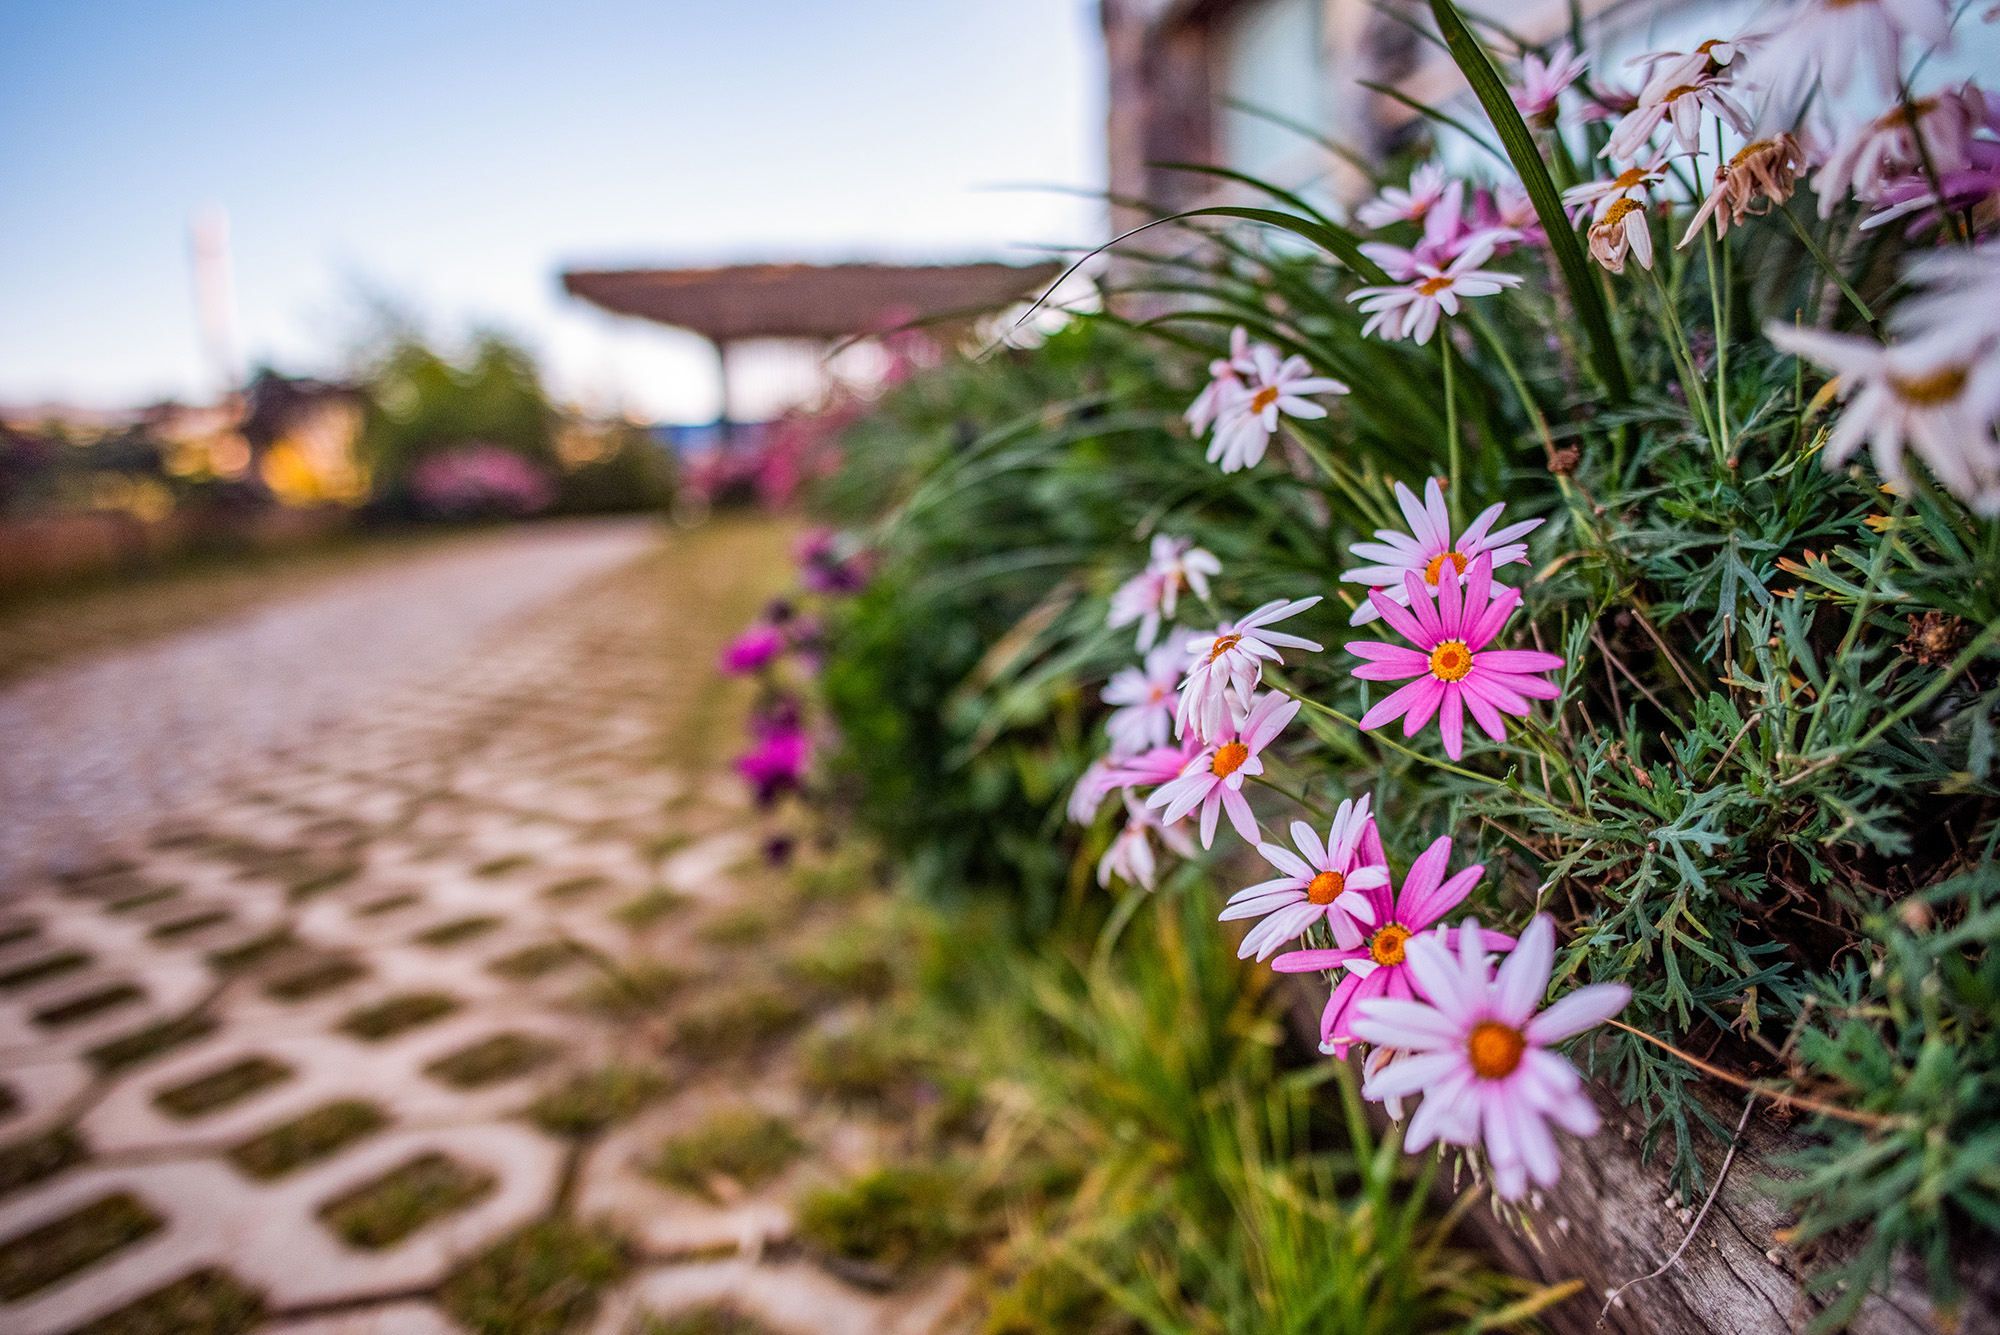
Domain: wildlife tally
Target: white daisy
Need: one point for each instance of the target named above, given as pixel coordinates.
(1146, 699)
(1412, 310)
(1680, 107)
(1154, 593)
(1325, 883)
(1959, 297)
(1427, 550)
(1623, 227)
(1247, 419)
(1428, 186)
(1226, 378)
(1233, 657)
(1595, 198)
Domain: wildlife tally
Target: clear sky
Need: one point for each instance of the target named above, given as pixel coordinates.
(454, 156)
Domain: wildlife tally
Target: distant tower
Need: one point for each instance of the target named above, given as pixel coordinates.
(215, 295)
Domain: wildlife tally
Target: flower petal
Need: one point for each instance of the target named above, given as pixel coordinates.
(1577, 1011)
(1524, 975)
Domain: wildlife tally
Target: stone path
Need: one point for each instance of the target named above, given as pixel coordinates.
(392, 1033)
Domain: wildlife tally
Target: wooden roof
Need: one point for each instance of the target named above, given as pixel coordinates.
(816, 301)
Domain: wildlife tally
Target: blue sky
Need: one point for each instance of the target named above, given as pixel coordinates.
(455, 156)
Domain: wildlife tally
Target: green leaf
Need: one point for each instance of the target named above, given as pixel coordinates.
(1584, 292)
(1335, 240)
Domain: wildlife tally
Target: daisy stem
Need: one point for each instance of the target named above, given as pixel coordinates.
(1578, 511)
(1717, 277)
(1334, 472)
(1455, 497)
(1862, 608)
(1298, 797)
(1830, 269)
(1692, 387)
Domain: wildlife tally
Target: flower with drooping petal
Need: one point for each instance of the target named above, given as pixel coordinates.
(1596, 198)
(1763, 171)
(1680, 108)
(1131, 852)
(1427, 549)
(1246, 421)
(1623, 227)
(1233, 657)
(1225, 379)
(1543, 81)
(1154, 593)
(1483, 1061)
(752, 650)
(1454, 670)
(1322, 881)
(1213, 780)
(1428, 185)
(1829, 41)
(1379, 965)
(1893, 146)
(1412, 310)
(1108, 774)
(1145, 696)
(1936, 395)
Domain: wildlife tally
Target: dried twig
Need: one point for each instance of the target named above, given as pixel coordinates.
(1855, 1115)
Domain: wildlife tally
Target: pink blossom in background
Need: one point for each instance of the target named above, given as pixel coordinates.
(481, 479)
(823, 569)
(752, 650)
(777, 763)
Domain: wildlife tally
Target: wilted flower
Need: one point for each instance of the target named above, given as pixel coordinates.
(1246, 420)
(1412, 310)
(1154, 593)
(1379, 965)
(1213, 780)
(1454, 669)
(1623, 227)
(1428, 186)
(1764, 170)
(1482, 1059)
(1233, 657)
(1428, 549)
(1322, 881)
(1131, 851)
(1542, 82)
(1146, 699)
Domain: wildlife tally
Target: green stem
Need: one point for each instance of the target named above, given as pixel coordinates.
(1916, 702)
(1692, 387)
(1862, 608)
(1335, 474)
(1455, 498)
(1715, 280)
(1828, 267)
(1578, 510)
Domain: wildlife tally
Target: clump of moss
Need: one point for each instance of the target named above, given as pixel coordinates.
(206, 1302)
(492, 1060)
(535, 961)
(141, 1045)
(650, 907)
(382, 1213)
(43, 969)
(58, 1249)
(738, 1026)
(634, 989)
(594, 1100)
(502, 865)
(889, 1220)
(737, 927)
(865, 1065)
(846, 964)
(309, 982)
(319, 1134)
(218, 1089)
(572, 887)
(456, 931)
(708, 1319)
(26, 1162)
(254, 953)
(397, 1015)
(545, 1279)
(734, 1151)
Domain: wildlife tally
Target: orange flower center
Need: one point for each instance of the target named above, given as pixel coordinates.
(1495, 1049)
(1229, 758)
(1676, 94)
(1745, 153)
(1430, 287)
(1264, 398)
(1386, 947)
(1326, 887)
(1436, 567)
(1223, 644)
(1630, 177)
(1450, 661)
(1616, 213)
(1930, 390)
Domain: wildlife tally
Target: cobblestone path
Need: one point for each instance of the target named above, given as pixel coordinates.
(398, 1033)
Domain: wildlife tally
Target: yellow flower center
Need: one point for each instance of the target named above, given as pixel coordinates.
(1676, 94)
(1745, 153)
(1436, 567)
(1223, 644)
(1630, 177)
(1386, 947)
(1495, 1049)
(1264, 398)
(1229, 758)
(1430, 287)
(1941, 386)
(1616, 213)
(1326, 887)
(1450, 661)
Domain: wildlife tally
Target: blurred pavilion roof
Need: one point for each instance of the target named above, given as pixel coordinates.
(810, 301)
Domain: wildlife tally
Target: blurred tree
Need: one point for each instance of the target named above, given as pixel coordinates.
(421, 403)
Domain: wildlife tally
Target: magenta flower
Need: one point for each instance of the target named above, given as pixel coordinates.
(1482, 1059)
(1454, 669)
(1108, 774)
(1542, 82)
(1321, 881)
(1213, 780)
(1379, 966)
(778, 762)
(752, 650)
(1428, 549)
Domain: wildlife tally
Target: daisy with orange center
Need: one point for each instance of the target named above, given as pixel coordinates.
(1321, 882)
(1593, 199)
(1213, 780)
(1247, 418)
(1231, 660)
(1429, 548)
(1375, 960)
(1623, 229)
(1412, 309)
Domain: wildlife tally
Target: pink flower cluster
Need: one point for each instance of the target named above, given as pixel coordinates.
(481, 479)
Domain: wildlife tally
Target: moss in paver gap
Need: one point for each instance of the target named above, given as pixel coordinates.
(315, 882)
(387, 904)
(501, 866)
(89, 1004)
(220, 1088)
(594, 1100)
(207, 1302)
(735, 1150)
(382, 1213)
(26, 1162)
(15, 932)
(848, 964)
(650, 907)
(457, 930)
(574, 886)
(545, 1279)
(538, 960)
(32, 1261)
(47, 967)
(737, 927)
(708, 1319)
(194, 922)
(400, 1014)
(314, 979)
(491, 1060)
(159, 894)
(319, 1134)
(140, 1045)
(892, 1218)
(860, 1065)
(638, 987)
(737, 1026)
(258, 950)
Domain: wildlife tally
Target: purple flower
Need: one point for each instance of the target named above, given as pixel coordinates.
(777, 763)
(751, 650)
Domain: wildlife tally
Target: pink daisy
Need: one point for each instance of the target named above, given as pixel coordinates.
(1154, 593)
(1454, 669)
(1326, 883)
(1482, 1059)
(1146, 699)
(1428, 548)
(1379, 966)
(1232, 656)
(1213, 780)
(1131, 853)
(1542, 82)
(1108, 774)
(1412, 308)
